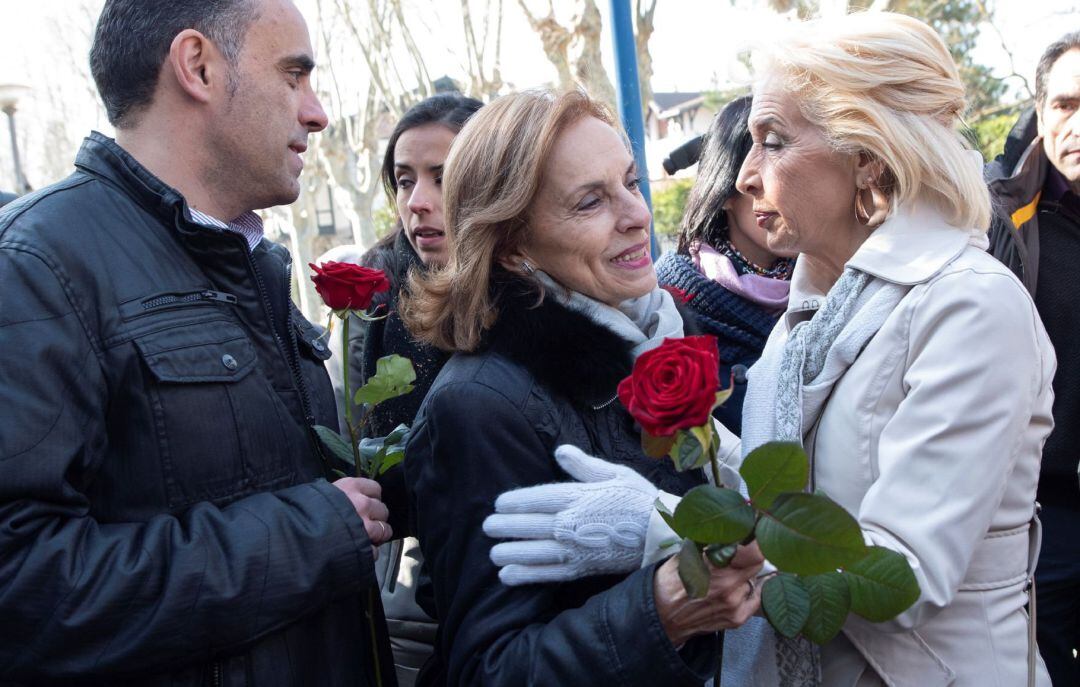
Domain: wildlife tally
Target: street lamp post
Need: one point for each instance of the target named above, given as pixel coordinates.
(9, 100)
(628, 95)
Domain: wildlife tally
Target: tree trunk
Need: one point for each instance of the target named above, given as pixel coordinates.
(644, 21)
(586, 55)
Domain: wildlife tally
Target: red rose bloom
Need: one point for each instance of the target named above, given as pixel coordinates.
(344, 285)
(673, 386)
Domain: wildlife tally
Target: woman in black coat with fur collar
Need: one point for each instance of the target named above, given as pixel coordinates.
(548, 297)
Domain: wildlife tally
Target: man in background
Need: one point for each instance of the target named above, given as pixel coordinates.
(1036, 183)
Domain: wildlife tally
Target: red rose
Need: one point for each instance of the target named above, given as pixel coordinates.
(673, 386)
(344, 285)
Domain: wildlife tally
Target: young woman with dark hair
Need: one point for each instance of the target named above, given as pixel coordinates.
(412, 177)
(724, 271)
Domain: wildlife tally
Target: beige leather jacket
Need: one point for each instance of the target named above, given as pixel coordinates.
(932, 439)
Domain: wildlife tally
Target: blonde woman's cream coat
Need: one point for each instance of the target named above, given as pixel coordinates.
(933, 438)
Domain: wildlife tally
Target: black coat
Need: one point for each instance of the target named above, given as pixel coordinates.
(491, 423)
(163, 514)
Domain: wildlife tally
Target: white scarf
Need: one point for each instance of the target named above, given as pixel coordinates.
(645, 321)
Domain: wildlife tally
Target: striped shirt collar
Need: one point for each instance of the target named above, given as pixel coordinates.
(249, 225)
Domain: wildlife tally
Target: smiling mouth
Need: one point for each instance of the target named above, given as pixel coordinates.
(632, 256)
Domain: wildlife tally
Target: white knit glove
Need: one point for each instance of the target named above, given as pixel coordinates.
(572, 529)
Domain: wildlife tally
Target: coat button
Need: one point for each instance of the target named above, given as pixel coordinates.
(318, 345)
(739, 373)
(229, 362)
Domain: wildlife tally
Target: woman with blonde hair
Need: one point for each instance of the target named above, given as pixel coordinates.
(548, 295)
(910, 364)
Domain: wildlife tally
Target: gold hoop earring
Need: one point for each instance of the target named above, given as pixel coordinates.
(880, 205)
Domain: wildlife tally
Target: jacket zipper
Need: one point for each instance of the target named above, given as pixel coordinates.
(216, 676)
(293, 360)
(305, 393)
(171, 299)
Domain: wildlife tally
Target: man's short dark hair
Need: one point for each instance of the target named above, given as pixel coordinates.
(133, 38)
(1070, 41)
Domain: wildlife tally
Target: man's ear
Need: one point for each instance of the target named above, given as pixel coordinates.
(197, 65)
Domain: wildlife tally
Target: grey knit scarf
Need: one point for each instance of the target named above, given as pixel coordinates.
(788, 390)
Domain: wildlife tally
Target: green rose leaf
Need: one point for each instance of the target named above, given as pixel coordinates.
(393, 449)
(393, 377)
(372, 453)
(772, 469)
(830, 601)
(399, 435)
(688, 452)
(786, 603)
(724, 394)
(692, 570)
(379, 454)
(335, 443)
(882, 585)
(809, 534)
(394, 455)
(720, 555)
(666, 514)
(713, 515)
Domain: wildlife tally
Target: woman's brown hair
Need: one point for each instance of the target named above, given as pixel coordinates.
(492, 175)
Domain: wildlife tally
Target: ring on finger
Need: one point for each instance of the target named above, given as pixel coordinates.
(753, 587)
(382, 529)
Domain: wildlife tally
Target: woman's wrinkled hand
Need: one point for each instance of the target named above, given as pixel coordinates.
(733, 597)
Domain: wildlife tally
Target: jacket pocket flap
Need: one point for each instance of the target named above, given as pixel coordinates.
(216, 352)
(901, 659)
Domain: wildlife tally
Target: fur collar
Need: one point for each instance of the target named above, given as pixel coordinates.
(563, 349)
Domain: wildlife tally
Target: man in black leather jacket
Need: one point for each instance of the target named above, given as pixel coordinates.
(1036, 187)
(165, 517)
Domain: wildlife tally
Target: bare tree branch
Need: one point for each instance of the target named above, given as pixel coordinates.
(423, 78)
(556, 41)
(586, 55)
(988, 18)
